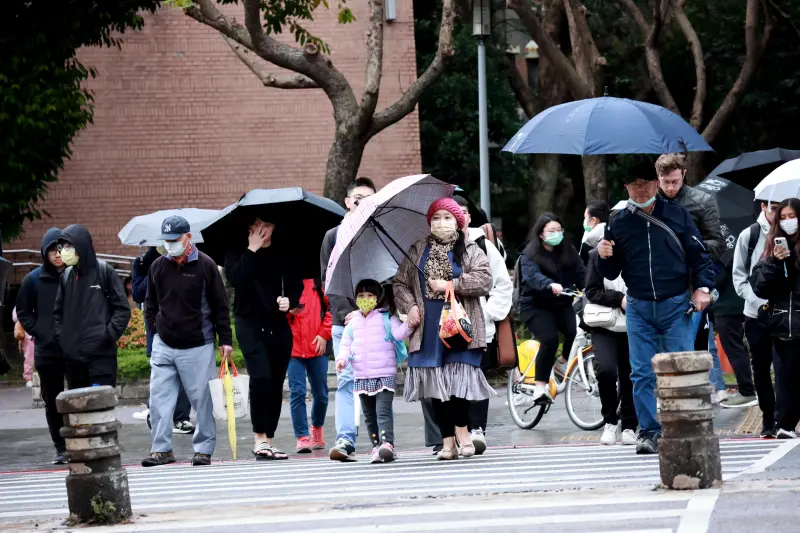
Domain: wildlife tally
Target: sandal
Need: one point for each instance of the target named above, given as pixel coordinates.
(447, 454)
(468, 450)
(265, 452)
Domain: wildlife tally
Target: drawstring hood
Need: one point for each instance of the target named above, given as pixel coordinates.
(50, 238)
(80, 238)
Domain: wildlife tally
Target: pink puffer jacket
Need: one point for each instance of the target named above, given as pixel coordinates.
(371, 355)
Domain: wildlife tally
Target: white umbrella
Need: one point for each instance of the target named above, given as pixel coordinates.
(144, 230)
(622, 204)
(781, 183)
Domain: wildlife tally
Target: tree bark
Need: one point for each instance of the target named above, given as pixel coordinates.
(543, 185)
(594, 177)
(687, 28)
(344, 159)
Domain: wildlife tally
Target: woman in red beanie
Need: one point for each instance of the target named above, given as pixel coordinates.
(450, 377)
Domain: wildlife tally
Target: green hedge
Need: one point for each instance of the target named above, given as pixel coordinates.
(133, 364)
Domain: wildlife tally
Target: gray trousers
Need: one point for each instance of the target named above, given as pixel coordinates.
(194, 368)
(433, 437)
(378, 416)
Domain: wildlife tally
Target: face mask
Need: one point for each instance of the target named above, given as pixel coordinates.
(365, 305)
(789, 226)
(586, 227)
(443, 229)
(554, 238)
(161, 250)
(643, 205)
(175, 249)
(69, 257)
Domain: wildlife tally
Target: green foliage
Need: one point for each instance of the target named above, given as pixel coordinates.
(134, 365)
(43, 103)
(103, 510)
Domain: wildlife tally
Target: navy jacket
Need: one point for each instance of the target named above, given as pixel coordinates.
(655, 263)
(141, 266)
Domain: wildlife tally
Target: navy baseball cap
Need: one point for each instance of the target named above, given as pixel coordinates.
(173, 228)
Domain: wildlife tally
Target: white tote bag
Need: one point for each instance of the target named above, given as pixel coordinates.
(239, 396)
(600, 316)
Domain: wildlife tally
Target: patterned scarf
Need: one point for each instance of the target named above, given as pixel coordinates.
(438, 264)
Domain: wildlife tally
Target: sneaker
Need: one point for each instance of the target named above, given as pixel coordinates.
(786, 434)
(478, 437)
(648, 443)
(303, 445)
(768, 432)
(60, 458)
(437, 449)
(29, 384)
(184, 427)
(317, 439)
(376, 457)
(541, 394)
(201, 459)
(387, 453)
(142, 415)
(343, 451)
(612, 434)
(737, 401)
(720, 397)
(629, 437)
(560, 368)
(158, 459)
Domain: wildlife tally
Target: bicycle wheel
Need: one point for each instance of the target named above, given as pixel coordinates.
(523, 411)
(583, 396)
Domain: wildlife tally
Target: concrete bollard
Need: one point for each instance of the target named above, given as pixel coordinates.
(688, 453)
(97, 485)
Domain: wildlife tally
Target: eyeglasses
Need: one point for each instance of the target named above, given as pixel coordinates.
(62, 247)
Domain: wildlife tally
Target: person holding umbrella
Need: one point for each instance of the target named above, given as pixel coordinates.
(450, 377)
(267, 288)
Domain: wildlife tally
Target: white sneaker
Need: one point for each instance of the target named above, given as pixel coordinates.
(783, 434)
(142, 415)
(611, 434)
(541, 394)
(629, 438)
(478, 440)
(722, 396)
(29, 384)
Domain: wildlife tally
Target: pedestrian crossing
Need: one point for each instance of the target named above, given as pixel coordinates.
(416, 475)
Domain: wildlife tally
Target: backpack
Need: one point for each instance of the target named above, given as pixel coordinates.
(755, 230)
(102, 271)
(490, 233)
(400, 349)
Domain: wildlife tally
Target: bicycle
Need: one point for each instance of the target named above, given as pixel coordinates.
(580, 378)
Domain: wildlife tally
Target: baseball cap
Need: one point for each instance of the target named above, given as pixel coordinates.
(174, 227)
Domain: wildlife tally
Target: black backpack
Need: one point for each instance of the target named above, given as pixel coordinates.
(755, 230)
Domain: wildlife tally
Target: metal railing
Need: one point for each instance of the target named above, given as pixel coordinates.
(108, 258)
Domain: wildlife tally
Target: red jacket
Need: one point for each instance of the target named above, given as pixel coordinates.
(310, 321)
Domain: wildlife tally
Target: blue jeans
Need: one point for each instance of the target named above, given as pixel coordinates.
(317, 369)
(715, 375)
(194, 368)
(183, 408)
(345, 407)
(654, 327)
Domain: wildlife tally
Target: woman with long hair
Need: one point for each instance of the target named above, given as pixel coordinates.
(776, 278)
(549, 265)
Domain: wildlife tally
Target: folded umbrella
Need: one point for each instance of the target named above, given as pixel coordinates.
(735, 205)
(301, 220)
(606, 125)
(375, 238)
(781, 183)
(144, 230)
(749, 168)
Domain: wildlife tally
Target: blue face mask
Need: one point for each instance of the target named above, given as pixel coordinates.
(643, 205)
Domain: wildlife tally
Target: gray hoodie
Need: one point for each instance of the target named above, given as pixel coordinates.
(741, 274)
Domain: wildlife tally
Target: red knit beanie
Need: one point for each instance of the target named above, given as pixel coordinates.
(452, 207)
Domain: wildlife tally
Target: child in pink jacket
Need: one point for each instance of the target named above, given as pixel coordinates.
(370, 348)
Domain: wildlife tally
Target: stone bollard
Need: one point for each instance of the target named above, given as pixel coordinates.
(97, 485)
(688, 453)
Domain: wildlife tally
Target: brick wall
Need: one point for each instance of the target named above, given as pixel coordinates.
(180, 122)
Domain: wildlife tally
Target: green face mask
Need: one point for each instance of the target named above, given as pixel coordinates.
(586, 227)
(554, 239)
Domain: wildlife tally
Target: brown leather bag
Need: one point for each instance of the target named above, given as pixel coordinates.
(506, 340)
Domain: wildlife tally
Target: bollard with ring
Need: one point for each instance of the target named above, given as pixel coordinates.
(97, 485)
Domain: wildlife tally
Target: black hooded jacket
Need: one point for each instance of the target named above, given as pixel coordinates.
(91, 309)
(37, 296)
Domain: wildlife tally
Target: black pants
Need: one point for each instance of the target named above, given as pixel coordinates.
(81, 375)
(612, 355)
(761, 344)
(546, 324)
(378, 416)
(51, 375)
(267, 354)
(789, 353)
(731, 336)
(450, 415)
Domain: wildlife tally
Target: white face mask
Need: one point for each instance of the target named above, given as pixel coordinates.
(175, 249)
(443, 228)
(789, 226)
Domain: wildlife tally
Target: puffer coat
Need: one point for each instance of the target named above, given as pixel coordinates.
(365, 345)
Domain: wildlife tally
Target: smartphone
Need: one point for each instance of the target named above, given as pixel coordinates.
(781, 241)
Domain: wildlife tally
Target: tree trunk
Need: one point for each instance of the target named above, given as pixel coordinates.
(344, 159)
(594, 177)
(543, 185)
(695, 169)
(565, 190)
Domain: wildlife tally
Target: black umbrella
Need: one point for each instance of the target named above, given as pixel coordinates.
(301, 220)
(735, 204)
(475, 213)
(749, 168)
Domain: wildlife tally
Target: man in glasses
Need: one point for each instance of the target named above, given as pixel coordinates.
(91, 312)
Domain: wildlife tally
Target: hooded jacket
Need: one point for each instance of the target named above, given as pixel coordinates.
(91, 309)
(364, 342)
(705, 213)
(741, 274)
(311, 321)
(36, 299)
(778, 281)
(497, 305)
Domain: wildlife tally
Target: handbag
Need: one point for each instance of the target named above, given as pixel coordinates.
(506, 340)
(455, 329)
(600, 316)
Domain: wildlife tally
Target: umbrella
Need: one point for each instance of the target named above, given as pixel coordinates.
(606, 125)
(735, 205)
(144, 230)
(476, 214)
(749, 168)
(619, 206)
(781, 183)
(374, 239)
(301, 221)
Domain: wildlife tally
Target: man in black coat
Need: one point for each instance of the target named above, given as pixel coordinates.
(35, 301)
(91, 312)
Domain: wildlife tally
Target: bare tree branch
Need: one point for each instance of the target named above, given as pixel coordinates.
(408, 101)
(549, 48)
(296, 81)
(372, 85)
(637, 15)
(755, 46)
(588, 61)
(522, 90)
(686, 27)
(784, 15)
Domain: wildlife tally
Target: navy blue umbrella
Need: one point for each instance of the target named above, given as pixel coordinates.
(604, 126)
